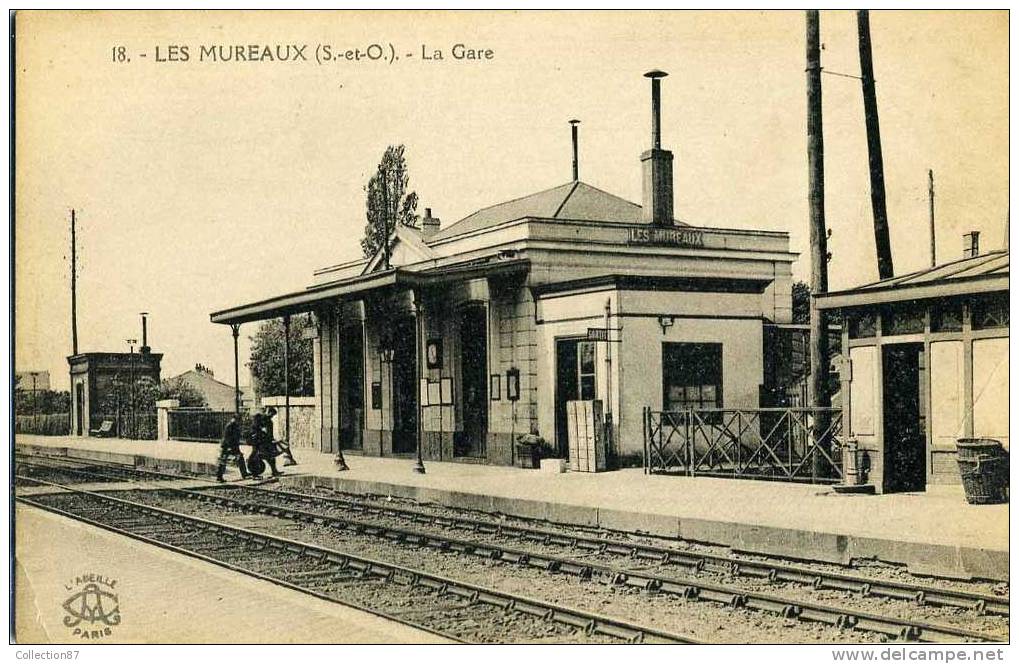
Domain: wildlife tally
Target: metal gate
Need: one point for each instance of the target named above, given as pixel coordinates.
(783, 444)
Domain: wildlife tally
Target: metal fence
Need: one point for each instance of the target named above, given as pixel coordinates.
(48, 424)
(784, 444)
(201, 425)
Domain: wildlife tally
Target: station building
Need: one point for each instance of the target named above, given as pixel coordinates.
(481, 331)
(925, 362)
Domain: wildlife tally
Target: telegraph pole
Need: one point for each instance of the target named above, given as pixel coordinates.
(930, 197)
(877, 167)
(74, 288)
(819, 397)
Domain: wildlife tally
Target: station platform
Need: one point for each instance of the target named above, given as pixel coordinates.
(187, 601)
(934, 532)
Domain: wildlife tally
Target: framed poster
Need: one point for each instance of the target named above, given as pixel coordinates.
(376, 396)
(424, 392)
(513, 384)
(446, 391)
(434, 396)
(495, 387)
(433, 353)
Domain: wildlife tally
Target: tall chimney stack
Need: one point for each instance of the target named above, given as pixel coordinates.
(429, 225)
(145, 333)
(576, 152)
(656, 163)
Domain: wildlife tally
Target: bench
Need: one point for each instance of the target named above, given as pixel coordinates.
(105, 430)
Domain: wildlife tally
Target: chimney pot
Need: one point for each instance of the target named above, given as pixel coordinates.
(145, 333)
(657, 163)
(429, 225)
(576, 150)
(971, 244)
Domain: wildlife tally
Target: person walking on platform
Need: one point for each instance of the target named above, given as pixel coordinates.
(263, 447)
(230, 450)
(284, 446)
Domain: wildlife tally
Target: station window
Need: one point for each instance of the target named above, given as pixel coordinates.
(862, 325)
(692, 375)
(990, 312)
(585, 369)
(902, 320)
(946, 317)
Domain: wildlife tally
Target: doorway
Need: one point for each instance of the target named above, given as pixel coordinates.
(905, 438)
(351, 351)
(474, 380)
(575, 379)
(404, 399)
(79, 408)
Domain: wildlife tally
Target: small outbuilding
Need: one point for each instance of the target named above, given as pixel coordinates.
(925, 362)
(101, 379)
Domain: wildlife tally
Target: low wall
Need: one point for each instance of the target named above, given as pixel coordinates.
(52, 424)
(304, 422)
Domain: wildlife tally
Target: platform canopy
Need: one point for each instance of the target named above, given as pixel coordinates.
(978, 274)
(313, 297)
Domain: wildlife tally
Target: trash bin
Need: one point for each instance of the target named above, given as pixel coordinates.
(528, 452)
(983, 465)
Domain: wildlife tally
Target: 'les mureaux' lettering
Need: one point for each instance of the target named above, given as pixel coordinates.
(234, 53)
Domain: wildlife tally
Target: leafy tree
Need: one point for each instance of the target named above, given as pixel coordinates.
(41, 401)
(185, 393)
(801, 306)
(267, 358)
(387, 202)
(801, 303)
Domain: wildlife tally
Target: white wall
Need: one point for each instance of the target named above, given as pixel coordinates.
(946, 411)
(990, 388)
(732, 319)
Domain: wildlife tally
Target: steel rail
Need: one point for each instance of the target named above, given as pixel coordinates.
(63, 463)
(921, 594)
(980, 603)
(591, 623)
(685, 587)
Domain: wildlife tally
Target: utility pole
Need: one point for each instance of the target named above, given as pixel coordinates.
(930, 197)
(819, 397)
(877, 167)
(74, 288)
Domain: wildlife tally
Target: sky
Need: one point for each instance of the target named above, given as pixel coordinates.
(203, 185)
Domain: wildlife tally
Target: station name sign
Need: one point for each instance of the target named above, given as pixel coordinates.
(671, 237)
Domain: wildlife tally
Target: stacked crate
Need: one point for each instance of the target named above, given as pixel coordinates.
(586, 435)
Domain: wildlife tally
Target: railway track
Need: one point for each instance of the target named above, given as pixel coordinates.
(456, 610)
(652, 580)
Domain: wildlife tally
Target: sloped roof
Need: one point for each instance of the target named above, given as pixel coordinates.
(577, 201)
(977, 274)
(977, 266)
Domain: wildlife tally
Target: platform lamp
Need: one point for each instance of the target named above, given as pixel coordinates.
(35, 400)
(130, 377)
(387, 353)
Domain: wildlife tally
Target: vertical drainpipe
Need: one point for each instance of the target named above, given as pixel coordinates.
(236, 328)
(610, 441)
(286, 374)
(419, 465)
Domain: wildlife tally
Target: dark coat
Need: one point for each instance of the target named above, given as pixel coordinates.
(231, 435)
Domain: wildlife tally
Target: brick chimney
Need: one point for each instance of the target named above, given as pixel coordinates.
(429, 224)
(656, 163)
(971, 244)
